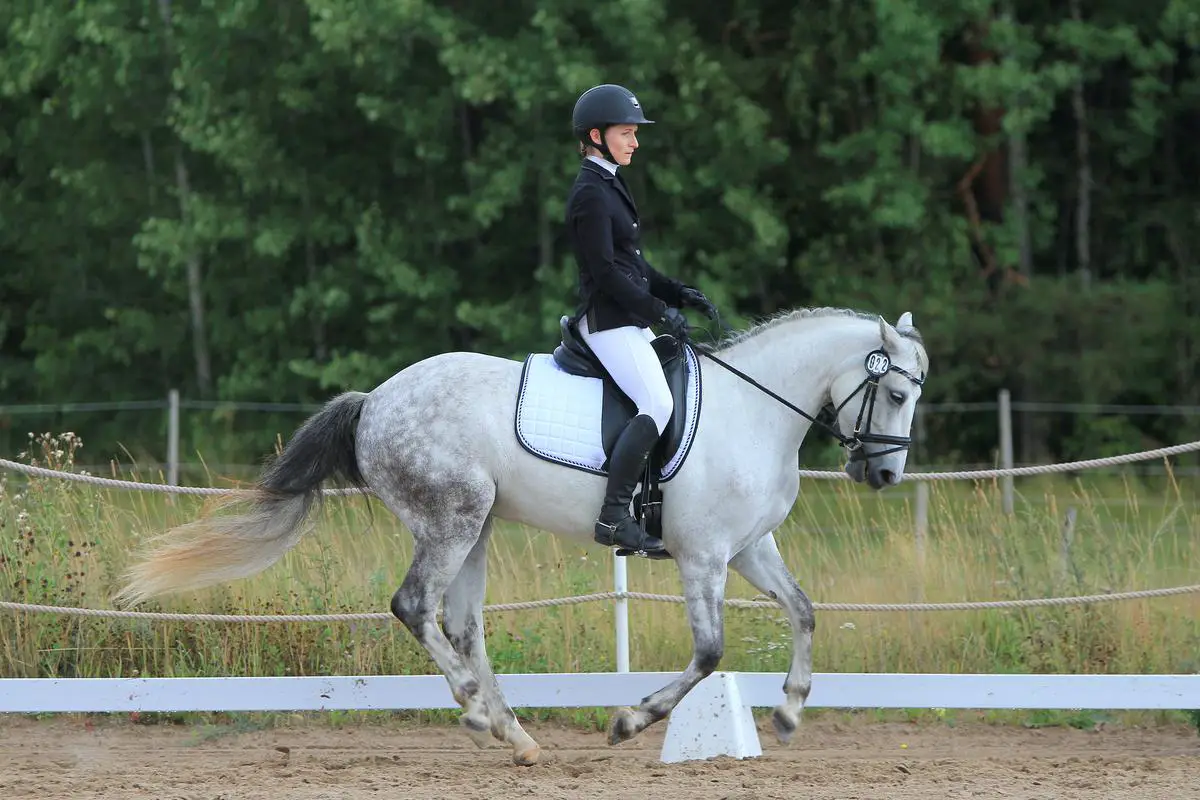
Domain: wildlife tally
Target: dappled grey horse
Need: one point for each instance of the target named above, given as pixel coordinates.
(444, 446)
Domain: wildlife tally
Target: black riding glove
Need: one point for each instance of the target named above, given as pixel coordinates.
(675, 323)
(694, 298)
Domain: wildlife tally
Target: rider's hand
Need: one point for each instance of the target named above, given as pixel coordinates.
(694, 298)
(675, 323)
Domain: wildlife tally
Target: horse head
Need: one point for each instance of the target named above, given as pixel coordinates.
(875, 399)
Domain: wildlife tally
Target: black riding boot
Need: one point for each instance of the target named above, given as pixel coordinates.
(616, 526)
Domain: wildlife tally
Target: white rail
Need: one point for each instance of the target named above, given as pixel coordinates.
(593, 689)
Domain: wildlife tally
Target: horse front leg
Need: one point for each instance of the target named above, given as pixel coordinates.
(763, 566)
(704, 593)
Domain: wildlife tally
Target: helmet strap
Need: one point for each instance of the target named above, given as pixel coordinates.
(602, 147)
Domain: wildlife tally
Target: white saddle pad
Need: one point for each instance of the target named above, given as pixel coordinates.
(559, 415)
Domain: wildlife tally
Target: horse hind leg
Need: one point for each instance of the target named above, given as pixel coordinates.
(462, 621)
(763, 566)
(445, 530)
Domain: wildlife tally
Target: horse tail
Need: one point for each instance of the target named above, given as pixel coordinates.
(215, 549)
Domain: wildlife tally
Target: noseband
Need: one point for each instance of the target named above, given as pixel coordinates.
(877, 364)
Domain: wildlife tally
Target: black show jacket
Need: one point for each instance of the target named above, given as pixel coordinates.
(616, 284)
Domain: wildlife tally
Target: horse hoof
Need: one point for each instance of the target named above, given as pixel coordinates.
(785, 722)
(480, 732)
(624, 726)
(527, 757)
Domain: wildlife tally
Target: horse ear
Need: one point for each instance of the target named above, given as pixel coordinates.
(905, 323)
(892, 341)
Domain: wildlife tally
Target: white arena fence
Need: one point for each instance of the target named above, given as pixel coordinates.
(714, 719)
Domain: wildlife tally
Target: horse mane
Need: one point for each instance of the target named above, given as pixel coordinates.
(783, 317)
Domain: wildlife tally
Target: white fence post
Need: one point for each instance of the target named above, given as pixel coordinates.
(173, 437)
(621, 610)
(1006, 450)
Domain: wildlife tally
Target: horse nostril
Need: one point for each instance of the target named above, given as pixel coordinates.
(889, 477)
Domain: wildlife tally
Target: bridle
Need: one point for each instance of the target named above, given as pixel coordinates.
(877, 364)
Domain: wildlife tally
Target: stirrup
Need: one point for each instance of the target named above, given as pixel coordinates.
(660, 553)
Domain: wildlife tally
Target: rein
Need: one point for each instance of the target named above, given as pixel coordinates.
(877, 364)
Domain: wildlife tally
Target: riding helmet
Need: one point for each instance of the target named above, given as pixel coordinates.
(605, 105)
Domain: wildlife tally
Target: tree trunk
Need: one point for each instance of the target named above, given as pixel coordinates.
(1017, 159)
(1174, 223)
(1083, 211)
(195, 278)
(1177, 223)
(545, 226)
(317, 325)
(1020, 203)
(195, 282)
(151, 172)
(983, 189)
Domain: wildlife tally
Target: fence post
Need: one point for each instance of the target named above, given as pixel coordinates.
(173, 437)
(1006, 450)
(921, 512)
(918, 450)
(621, 609)
(1066, 565)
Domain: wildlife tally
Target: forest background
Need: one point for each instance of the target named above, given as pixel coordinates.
(270, 201)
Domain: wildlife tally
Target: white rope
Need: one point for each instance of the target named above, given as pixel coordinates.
(1016, 472)
(34, 608)
(960, 475)
(950, 606)
(95, 480)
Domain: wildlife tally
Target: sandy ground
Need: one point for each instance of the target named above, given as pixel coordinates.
(830, 759)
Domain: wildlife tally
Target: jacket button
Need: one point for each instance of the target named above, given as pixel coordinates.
(639, 252)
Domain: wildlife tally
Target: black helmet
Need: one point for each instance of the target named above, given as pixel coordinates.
(606, 105)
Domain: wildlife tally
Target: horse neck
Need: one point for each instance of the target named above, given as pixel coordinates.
(798, 359)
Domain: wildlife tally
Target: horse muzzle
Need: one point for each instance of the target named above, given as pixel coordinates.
(865, 467)
(858, 464)
(881, 477)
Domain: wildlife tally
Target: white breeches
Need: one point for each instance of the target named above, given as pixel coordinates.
(627, 355)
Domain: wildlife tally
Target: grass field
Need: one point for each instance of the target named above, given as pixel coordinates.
(65, 543)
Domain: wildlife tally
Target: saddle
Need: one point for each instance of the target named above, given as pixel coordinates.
(573, 356)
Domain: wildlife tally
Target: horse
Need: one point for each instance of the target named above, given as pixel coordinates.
(436, 444)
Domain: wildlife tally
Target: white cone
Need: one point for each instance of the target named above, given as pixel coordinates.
(711, 720)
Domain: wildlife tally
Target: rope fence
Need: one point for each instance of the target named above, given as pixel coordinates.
(383, 616)
(959, 475)
(985, 474)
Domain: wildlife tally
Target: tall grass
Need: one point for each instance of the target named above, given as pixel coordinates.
(66, 544)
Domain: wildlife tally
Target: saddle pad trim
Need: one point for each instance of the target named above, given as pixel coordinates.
(693, 416)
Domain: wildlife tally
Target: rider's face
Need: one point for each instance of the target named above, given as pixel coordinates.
(622, 141)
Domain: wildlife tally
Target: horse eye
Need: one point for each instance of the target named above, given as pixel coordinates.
(898, 398)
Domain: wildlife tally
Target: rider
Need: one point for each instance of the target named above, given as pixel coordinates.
(621, 297)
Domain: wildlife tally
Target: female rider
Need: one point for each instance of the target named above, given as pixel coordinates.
(621, 297)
